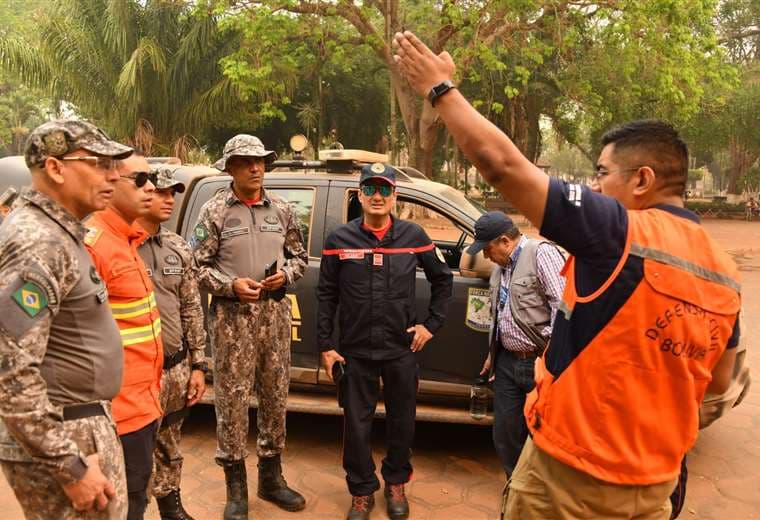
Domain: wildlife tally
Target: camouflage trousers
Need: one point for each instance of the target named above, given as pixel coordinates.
(251, 353)
(167, 457)
(42, 497)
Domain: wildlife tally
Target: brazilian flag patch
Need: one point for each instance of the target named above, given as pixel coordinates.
(31, 299)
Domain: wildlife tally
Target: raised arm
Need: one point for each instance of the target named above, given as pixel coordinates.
(496, 157)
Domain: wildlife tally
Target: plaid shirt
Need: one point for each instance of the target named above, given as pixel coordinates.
(549, 263)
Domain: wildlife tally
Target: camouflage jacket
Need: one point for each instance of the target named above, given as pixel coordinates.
(49, 355)
(174, 273)
(231, 240)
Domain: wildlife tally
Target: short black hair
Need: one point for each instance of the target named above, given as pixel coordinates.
(653, 143)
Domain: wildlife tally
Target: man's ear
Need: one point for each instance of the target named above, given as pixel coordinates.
(646, 179)
(53, 170)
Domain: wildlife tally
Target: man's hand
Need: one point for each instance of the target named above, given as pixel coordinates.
(196, 387)
(247, 290)
(487, 367)
(274, 282)
(329, 358)
(419, 65)
(93, 491)
(421, 336)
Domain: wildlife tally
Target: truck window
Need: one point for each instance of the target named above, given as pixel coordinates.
(302, 201)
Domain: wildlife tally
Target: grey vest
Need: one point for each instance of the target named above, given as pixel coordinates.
(250, 238)
(527, 301)
(84, 358)
(166, 269)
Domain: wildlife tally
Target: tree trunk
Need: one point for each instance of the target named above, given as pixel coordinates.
(741, 161)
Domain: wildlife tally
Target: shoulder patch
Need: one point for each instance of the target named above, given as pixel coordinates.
(31, 298)
(92, 235)
(200, 233)
(38, 279)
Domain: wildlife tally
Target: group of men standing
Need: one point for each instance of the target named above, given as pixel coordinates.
(102, 338)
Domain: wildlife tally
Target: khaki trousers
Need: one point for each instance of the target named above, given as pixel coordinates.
(544, 488)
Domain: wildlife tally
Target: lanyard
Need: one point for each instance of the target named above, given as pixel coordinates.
(503, 288)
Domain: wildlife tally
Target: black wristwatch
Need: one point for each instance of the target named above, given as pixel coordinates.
(439, 90)
(202, 366)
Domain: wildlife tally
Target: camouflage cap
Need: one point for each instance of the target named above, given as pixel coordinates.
(57, 138)
(244, 145)
(165, 177)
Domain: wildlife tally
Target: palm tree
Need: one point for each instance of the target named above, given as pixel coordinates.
(145, 70)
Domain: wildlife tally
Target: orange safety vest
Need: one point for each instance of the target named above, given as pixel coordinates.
(625, 409)
(113, 244)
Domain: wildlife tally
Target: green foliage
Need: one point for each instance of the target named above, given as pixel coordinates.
(156, 61)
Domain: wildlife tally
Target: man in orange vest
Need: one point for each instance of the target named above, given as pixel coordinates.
(113, 238)
(648, 321)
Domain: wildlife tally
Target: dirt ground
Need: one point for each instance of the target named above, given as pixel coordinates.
(456, 475)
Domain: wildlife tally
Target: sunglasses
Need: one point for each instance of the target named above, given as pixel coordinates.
(601, 172)
(384, 189)
(103, 163)
(142, 178)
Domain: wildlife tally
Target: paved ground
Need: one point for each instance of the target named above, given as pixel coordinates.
(456, 476)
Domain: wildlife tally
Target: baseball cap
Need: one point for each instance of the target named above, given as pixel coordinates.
(378, 171)
(165, 178)
(57, 138)
(489, 226)
(244, 145)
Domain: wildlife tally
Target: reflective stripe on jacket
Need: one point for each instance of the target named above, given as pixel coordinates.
(113, 244)
(625, 407)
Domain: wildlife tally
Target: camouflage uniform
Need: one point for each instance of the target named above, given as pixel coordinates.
(63, 312)
(251, 340)
(60, 350)
(172, 269)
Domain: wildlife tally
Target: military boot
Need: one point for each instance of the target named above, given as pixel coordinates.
(170, 507)
(237, 490)
(398, 505)
(272, 486)
(361, 507)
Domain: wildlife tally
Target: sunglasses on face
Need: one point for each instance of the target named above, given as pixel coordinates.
(103, 163)
(384, 189)
(142, 178)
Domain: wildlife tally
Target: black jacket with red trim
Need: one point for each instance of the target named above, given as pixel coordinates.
(371, 283)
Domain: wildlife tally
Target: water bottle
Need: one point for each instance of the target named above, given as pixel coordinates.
(479, 398)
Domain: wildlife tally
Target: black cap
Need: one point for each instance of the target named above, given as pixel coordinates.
(489, 226)
(378, 171)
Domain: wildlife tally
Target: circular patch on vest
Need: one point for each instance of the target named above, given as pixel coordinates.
(172, 259)
(232, 222)
(271, 219)
(94, 276)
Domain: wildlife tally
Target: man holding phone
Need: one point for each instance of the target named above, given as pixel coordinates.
(249, 247)
(368, 275)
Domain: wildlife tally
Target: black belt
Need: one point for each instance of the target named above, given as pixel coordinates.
(174, 417)
(523, 355)
(175, 359)
(81, 411)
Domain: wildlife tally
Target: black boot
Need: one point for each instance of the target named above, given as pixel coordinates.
(361, 506)
(237, 490)
(398, 505)
(272, 486)
(170, 507)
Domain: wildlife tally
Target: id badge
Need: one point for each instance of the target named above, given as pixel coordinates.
(377, 259)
